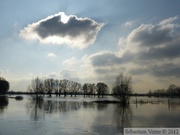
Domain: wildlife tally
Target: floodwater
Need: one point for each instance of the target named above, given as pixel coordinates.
(81, 116)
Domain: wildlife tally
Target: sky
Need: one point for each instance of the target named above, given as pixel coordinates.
(90, 41)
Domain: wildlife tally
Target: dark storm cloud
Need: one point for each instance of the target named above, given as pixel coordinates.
(80, 32)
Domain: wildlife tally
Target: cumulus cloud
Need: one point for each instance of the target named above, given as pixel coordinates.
(62, 29)
(81, 68)
(149, 53)
(152, 48)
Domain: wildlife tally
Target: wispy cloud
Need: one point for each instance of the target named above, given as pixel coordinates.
(51, 55)
(61, 29)
(128, 23)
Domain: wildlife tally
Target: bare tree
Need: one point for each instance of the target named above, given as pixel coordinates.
(49, 85)
(74, 87)
(88, 88)
(173, 90)
(56, 86)
(63, 86)
(36, 88)
(122, 87)
(85, 89)
(60, 87)
(92, 88)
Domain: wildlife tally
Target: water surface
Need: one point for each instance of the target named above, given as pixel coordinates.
(79, 115)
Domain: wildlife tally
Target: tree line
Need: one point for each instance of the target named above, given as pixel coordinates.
(39, 87)
(172, 91)
(121, 88)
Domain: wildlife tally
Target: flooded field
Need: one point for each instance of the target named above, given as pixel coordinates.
(81, 116)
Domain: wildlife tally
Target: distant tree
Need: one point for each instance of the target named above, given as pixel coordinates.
(4, 86)
(173, 90)
(102, 89)
(56, 86)
(63, 86)
(49, 86)
(85, 89)
(149, 93)
(159, 92)
(88, 88)
(91, 88)
(77, 88)
(122, 87)
(74, 87)
(36, 88)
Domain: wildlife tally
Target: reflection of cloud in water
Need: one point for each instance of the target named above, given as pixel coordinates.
(3, 103)
(168, 118)
(163, 113)
(106, 130)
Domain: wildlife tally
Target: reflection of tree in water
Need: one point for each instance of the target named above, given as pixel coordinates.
(37, 109)
(173, 105)
(3, 103)
(123, 115)
(88, 105)
(93, 105)
(101, 106)
(61, 106)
